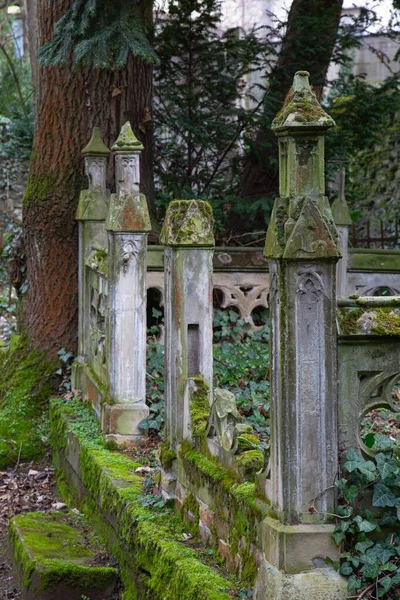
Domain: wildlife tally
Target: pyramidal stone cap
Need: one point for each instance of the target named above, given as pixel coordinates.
(127, 141)
(301, 108)
(96, 146)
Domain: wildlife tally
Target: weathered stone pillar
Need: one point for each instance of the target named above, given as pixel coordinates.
(187, 234)
(341, 216)
(128, 224)
(302, 247)
(91, 213)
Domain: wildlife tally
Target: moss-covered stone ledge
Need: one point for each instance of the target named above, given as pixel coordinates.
(154, 563)
(369, 316)
(55, 557)
(228, 513)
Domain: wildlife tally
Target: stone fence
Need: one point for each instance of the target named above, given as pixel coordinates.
(332, 359)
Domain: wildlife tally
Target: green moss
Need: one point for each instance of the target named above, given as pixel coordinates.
(58, 548)
(190, 513)
(144, 541)
(188, 223)
(39, 188)
(244, 491)
(250, 462)
(206, 465)
(96, 144)
(167, 456)
(388, 321)
(127, 141)
(98, 261)
(248, 441)
(26, 383)
(302, 103)
(384, 320)
(199, 407)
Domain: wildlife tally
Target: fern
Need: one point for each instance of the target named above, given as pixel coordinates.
(99, 34)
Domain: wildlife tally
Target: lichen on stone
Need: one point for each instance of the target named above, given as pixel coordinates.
(127, 141)
(96, 146)
(301, 107)
(250, 462)
(199, 406)
(188, 223)
(384, 320)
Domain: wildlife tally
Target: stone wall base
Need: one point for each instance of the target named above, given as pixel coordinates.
(118, 421)
(297, 548)
(319, 584)
(122, 420)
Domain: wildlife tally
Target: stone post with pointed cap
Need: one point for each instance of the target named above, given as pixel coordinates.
(342, 218)
(188, 237)
(91, 213)
(302, 247)
(128, 224)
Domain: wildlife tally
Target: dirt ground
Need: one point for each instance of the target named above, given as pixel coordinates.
(23, 488)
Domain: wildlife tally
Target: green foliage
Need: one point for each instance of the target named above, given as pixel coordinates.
(154, 385)
(99, 34)
(202, 103)
(363, 114)
(241, 364)
(15, 78)
(369, 514)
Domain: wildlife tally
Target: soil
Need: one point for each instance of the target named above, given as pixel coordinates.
(26, 488)
(23, 488)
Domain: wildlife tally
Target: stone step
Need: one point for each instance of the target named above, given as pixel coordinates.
(57, 557)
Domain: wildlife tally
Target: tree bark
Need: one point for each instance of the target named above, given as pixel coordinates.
(308, 45)
(33, 36)
(68, 105)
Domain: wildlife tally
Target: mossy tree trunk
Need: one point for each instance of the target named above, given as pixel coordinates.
(68, 105)
(308, 45)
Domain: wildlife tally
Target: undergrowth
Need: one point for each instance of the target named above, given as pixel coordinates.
(241, 365)
(368, 521)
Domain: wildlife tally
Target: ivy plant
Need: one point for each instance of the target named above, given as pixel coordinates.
(243, 368)
(368, 521)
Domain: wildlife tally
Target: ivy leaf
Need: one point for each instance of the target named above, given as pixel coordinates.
(346, 569)
(384, 586)
(338, 536)
(363, 546)
(350, 493)
(354, 583)
(371, 571)
(387, 467)
(383, 552)
(383, 496)
(383, 442)
(364, 525)
(388, 519)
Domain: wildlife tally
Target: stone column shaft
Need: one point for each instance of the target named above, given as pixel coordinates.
(91, 215)
(187, 233)
(127, 224)
(302, 247)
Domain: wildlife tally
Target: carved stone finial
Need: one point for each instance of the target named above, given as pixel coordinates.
(301, 225)
(96, 146)
(188, 223)
(301, 108)
(127, 141)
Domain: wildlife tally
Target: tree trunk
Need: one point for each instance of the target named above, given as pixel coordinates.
(68, 105)
(32, 30)
(308, 45)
